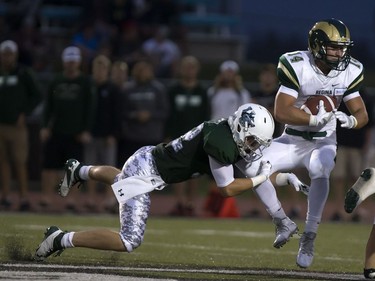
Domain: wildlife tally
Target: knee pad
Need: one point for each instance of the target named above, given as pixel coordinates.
(320, 169)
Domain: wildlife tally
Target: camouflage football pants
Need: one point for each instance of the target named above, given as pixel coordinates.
(134, 213)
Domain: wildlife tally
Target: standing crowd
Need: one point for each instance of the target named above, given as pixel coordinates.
(103, 117)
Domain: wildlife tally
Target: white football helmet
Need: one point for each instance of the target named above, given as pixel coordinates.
(252, 126)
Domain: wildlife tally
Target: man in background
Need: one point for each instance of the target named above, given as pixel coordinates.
(67, 119)
(19, 96)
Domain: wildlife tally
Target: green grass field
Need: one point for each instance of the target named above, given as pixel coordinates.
(204, 245)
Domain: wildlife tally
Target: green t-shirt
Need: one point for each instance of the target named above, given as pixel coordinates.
(188, 108)
(69, 107)
(187, 155)
(19, 94)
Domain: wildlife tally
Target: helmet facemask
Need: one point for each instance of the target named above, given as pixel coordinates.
(336, 63)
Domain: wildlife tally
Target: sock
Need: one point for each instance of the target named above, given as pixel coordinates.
(267, 194)
(84, 172)
(67, 240)
(318, 195)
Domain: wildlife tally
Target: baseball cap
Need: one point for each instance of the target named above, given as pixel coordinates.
(229, 65)
(71, 53)
(8, 45)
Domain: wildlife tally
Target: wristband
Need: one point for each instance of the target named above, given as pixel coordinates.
(282, 179)
(354, 120)
(258, 180)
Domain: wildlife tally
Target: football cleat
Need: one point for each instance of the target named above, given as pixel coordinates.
(305, 254)
(51, 244)
(285, 228)
(362, 188)
(369, 273)
(71, 177)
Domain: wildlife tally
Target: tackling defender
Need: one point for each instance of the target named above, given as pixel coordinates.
(309, 141)
(211, 148)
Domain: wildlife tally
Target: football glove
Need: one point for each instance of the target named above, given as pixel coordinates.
(265, 169)
(346, 121)
(297, 184)
(322, 117)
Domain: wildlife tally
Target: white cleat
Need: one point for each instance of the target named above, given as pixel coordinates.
(51, 244)
(306, 249)
(363, 188)
(71, 176)
(285, 228)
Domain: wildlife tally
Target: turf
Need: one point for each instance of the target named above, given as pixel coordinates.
(190, 244)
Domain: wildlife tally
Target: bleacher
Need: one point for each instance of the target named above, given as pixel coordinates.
(210, 26)
(56, 19)
(207, 17)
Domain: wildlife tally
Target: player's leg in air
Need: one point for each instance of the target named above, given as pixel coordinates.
(362, 188)
(133, 213)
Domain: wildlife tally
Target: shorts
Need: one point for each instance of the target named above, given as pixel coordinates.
(14, 144)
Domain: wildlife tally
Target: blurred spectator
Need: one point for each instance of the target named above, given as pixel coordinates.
(128, 44)
(19, 96)
(102, 147)
(228, 92)
(122, 11)
(32, 44)
(352, 148)
(89, 42)
(266, 93)
(163, 52)
(144, 109)
(189, 107)
(119, 74)
(68, 116)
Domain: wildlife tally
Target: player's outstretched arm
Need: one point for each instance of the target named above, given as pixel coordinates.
(239, 185)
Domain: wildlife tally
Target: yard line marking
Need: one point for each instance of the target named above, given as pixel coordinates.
(107, 270)
(236, 233)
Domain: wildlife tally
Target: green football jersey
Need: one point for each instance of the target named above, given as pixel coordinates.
(187, 155)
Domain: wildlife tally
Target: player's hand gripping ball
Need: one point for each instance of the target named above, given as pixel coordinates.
(311, 106)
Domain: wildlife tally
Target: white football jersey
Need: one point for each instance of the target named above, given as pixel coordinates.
(301, 78)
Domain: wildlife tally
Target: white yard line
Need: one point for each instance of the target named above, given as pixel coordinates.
(25, 272)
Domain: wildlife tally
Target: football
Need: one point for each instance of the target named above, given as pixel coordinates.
(311, 105)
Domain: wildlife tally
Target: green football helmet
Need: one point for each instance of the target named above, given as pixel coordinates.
(334, 33)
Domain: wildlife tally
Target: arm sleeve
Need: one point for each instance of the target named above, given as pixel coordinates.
(223, 175)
